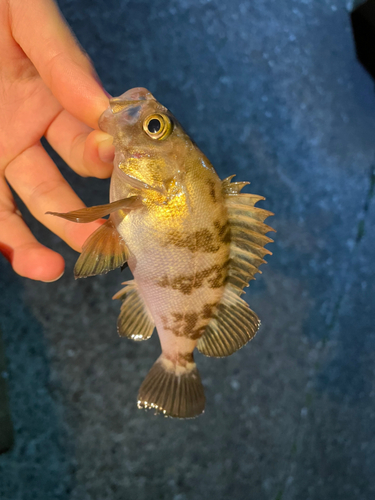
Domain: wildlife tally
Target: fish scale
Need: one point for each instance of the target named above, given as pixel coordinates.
(192, 242)
(178, 266)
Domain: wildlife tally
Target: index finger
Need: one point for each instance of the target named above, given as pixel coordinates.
(43, 34)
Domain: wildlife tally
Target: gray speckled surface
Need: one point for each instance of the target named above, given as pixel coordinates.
(271, 91)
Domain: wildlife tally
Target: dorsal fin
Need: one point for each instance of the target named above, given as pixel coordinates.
(234, 323)
(103, 251)
(229, 187)
(247, 231)
(135, 322)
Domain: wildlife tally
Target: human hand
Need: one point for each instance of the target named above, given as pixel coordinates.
(49, 88)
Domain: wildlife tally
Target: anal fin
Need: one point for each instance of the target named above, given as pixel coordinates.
(103, 251)
(172, 390)
(232, 326)
(134, 322)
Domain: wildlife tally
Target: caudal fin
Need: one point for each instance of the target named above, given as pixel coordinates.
(173, 390)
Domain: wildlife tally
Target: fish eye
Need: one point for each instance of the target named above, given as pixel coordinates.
(154, 125)
(158, 126)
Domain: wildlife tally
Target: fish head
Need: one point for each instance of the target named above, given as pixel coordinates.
(150, 145)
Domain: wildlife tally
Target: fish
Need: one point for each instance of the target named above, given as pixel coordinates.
(192, 241)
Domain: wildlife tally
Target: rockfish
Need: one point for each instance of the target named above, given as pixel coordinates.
(192, 242)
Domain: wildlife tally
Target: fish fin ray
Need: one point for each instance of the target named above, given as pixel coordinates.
(172, 390)
(103, 251)
(90, 214)
(232, 326)
(134, 322)
(247, 232)
(229, 187)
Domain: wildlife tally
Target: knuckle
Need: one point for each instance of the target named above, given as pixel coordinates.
(45, 188)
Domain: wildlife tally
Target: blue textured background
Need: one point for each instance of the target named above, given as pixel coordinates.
(270, 90)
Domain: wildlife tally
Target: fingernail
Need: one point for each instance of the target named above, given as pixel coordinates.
(51, 281)
(106, 150)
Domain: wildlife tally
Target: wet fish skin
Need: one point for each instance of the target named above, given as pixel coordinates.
(178, 247)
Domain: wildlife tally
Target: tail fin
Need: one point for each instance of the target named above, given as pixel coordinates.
(173, 390)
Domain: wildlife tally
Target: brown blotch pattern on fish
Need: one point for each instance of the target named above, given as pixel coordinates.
(223, 231)
(190, 325)
(216, 277)
(212, 190)
(181, 358)
(164, 320)
(208, 310)
(177, 316)
(198, 241)
(163, 282)
(219, 276)
(187, 357)
(184, 325)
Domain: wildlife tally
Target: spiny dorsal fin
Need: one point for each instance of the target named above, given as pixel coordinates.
(232, 326)
(134, 322)
(248, 234)
(234, 323)
(172, 390)
(103, 251)
(229, 187)
(89, 214)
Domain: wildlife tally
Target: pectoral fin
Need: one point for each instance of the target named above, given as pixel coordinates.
(103, 251)
(89, 214)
